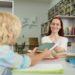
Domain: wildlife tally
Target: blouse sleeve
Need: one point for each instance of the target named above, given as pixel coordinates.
(15, 60)
(63, 43)
(43, 40)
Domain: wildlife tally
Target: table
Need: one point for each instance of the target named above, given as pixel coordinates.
(68, 69)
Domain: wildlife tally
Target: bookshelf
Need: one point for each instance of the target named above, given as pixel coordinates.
(44, 28)
(69, 35)
(63, 7)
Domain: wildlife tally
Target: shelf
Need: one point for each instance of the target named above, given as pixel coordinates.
(69, 35)
(66, 16)
(65, 6)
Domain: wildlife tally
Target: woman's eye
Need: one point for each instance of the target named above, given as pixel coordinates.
(57, 24)
(53, 24)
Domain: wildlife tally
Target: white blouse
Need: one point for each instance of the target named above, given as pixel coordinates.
(62, 42)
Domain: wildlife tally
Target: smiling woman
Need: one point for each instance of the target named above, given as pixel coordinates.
(55, 35)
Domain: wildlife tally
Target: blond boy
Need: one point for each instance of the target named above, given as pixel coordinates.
(10, 29)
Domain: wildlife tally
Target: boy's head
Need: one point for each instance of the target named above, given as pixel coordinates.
(10, 28)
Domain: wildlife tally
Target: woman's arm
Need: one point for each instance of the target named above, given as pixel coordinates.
(58, 52)
(61, 48)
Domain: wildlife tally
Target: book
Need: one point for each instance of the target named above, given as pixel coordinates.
(49, 46)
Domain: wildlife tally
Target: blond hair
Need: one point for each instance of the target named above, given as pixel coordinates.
(10, 28)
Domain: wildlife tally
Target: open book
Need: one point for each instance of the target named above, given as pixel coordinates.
(49, 46)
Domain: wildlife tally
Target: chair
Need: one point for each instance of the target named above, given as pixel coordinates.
(33, 42)
(19, 48)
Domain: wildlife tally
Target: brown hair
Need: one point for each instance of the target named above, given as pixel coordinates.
(61, 31)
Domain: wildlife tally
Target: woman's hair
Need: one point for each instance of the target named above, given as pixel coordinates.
(61, 31)
(10, 28)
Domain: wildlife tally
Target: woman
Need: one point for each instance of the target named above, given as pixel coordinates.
(56, 35)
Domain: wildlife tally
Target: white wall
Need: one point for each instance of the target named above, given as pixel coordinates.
(31, 9)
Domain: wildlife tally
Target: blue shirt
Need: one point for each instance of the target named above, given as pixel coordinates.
(11, 59)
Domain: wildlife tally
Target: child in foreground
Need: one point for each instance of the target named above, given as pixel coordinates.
(10, 29)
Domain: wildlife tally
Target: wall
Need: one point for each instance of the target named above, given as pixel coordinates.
(31, 10)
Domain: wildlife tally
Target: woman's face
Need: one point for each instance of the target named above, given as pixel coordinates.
(55, 26)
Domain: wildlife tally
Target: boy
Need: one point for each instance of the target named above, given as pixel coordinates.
(10, 28)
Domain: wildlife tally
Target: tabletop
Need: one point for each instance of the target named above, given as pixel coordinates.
(64, 68)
